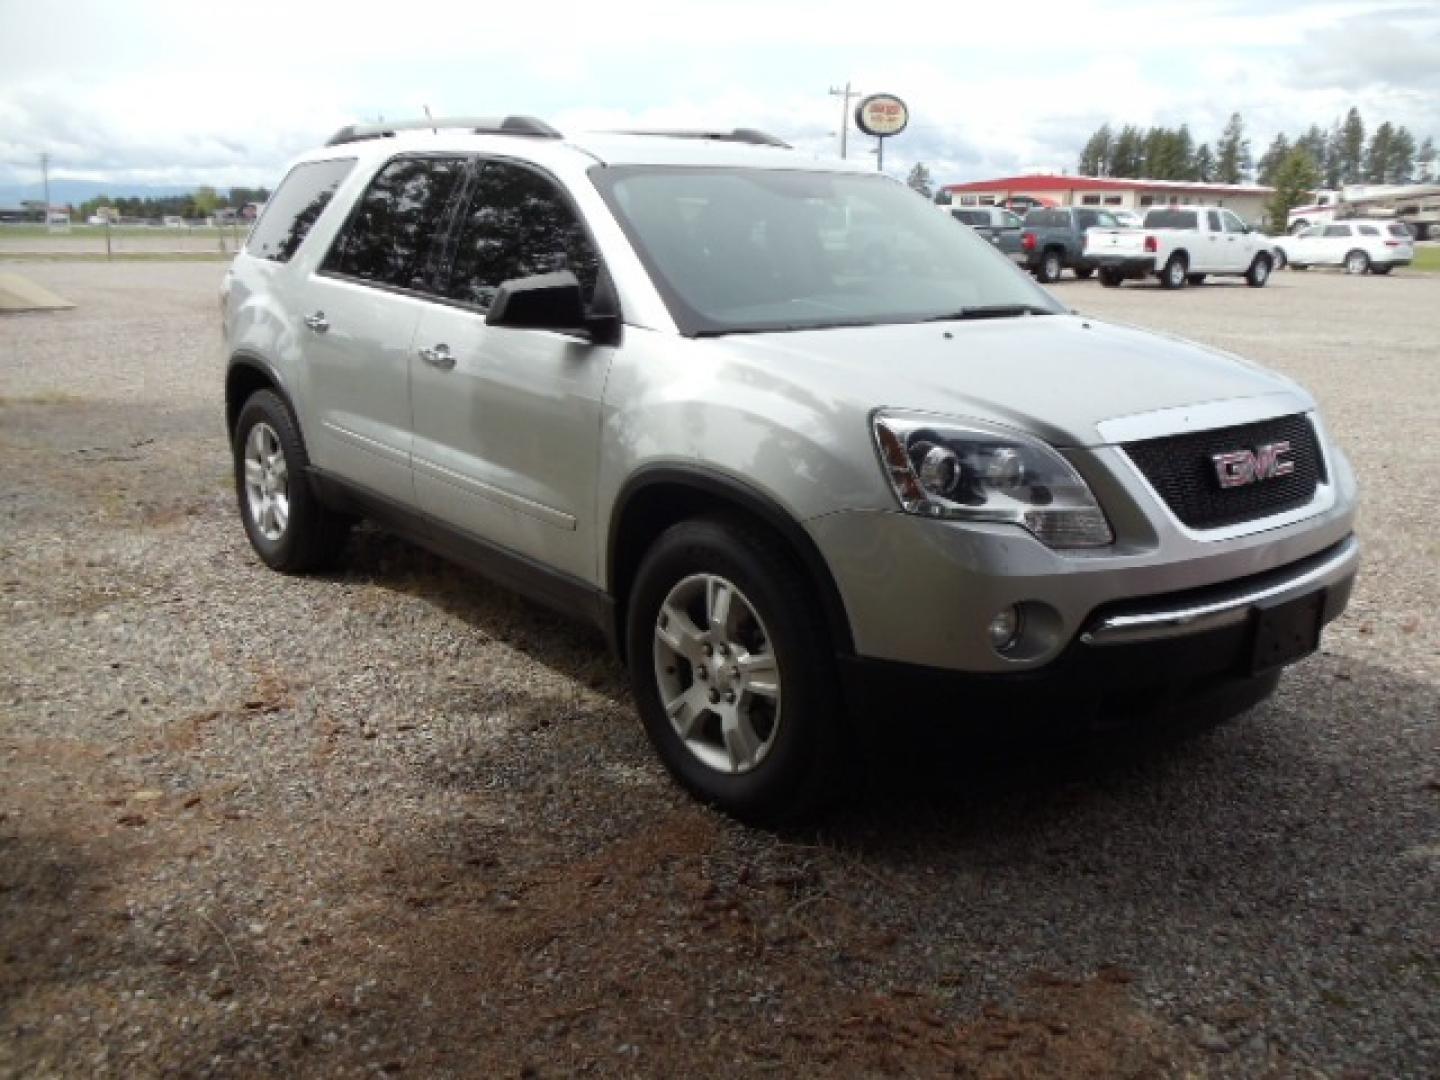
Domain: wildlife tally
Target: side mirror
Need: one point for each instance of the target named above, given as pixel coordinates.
(555, 302)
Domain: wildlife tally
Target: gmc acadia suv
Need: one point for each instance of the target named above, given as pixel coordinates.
(799, 444)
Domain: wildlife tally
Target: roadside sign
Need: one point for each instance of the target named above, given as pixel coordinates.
(882, 115)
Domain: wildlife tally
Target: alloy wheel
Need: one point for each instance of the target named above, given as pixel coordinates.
(267, 481)
(717, 673)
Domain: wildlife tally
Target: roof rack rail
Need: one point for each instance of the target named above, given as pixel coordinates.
(481, 125)
(740, 135)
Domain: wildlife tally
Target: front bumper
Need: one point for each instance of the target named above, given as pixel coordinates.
(1129, 265)
(1203, 648)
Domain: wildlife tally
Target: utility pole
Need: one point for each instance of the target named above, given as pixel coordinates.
(844, 96)
(45, 173)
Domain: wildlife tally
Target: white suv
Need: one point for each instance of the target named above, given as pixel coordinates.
(1376, 247)
(805, 449)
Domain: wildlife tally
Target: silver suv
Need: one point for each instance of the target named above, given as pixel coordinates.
(805, 449)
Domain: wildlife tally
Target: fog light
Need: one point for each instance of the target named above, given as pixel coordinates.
(1005, 628)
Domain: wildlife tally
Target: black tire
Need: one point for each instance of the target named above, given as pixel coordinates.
(1259, 272)
(1356, 262)
(1050, 267)
(1174, 275)
(801, 769)
(313, 535)
(1299, 266)
(1281, 259)
(1195, 279)
(1084, 272)
(1110, 278)
(1381, 270)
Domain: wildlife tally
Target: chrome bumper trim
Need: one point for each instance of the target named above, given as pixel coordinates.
(1225, 610)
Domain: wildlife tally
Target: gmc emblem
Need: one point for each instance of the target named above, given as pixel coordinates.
(1237, 468)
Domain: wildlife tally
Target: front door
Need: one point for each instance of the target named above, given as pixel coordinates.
(507, 421)
(362, 307)
(1240, 243)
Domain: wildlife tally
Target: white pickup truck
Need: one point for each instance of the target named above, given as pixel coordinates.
(1181, 245)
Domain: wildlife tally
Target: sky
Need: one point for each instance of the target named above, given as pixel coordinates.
(164, 93)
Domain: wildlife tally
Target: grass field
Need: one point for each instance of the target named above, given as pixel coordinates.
(1427, 258)
(40, 232)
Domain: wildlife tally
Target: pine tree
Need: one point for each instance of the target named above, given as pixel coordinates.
(1377, 158)
(919, 179)
(1095, 158)
(1313, 143)
(1295, 178)
(1203, 167)
(1127, 156)
(1425, 157)
(1352, 148)
(1270, 161)
(1333, 167)
(1184, 154)
(1232, 154)
(1400, 164)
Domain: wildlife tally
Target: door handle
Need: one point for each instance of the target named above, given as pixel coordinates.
(317, 322)
(438, 357)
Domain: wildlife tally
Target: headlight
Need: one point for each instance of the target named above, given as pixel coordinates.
(972, 473)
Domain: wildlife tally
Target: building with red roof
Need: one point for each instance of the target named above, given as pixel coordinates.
(1116, 193)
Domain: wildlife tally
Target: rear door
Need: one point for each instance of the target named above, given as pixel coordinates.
(507, 421)
(363, 303)
(1335, 243)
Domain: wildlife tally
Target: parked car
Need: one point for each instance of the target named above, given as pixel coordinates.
(999, 226)
(649, 380)
(1180, 246)
(1359, 246)
(1054, 240)
(173, 221)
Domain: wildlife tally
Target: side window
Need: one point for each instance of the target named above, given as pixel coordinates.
(1107, 221)
(1009, 221)
(1084, 219)
(396, 225)
(1369, 230)
(1213, 218)
(516, 225)
(1337, 230)
(295, 206)
(1232, 223)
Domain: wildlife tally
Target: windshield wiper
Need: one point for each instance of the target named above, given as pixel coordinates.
(992, 311)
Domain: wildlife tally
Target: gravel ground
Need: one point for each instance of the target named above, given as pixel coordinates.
(394, 820)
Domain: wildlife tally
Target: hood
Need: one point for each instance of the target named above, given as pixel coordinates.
(1057, 376)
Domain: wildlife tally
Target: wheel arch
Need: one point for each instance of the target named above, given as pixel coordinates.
(660, 496)
(246, 375)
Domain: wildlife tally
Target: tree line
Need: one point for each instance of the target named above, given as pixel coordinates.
(202, 202)
(1341, 155)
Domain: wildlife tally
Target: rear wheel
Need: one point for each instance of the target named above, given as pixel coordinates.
(1050, 268)
(1174, 275)
(1357, 262)
(1259, 272)
(289, 528)
(1111, 278)
(733, 678)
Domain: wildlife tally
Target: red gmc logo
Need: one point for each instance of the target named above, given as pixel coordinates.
(1236, 468)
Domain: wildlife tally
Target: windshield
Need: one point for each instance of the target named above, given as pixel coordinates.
(744, 250)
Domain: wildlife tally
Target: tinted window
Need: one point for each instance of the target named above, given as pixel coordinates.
(517, 225)
(1212, 220)
(394, 228)
(1009, 221)
(1047, 219)
(1369, 230)
(1337, 230)
(971, 217)
(1107, 221)
(1402, 231)
(1171, 219)
(301, 198)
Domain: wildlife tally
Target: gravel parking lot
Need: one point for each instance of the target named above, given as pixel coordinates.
(394, 820)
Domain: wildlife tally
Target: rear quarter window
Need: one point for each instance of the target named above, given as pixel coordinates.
(1399, 231)
(1171, 219)
(296, 205)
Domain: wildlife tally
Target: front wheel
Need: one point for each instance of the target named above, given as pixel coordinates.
(1357, 262)
(1174, 275)
(732, 676)
(288, 526)
(1259, 272)
(1111, 278)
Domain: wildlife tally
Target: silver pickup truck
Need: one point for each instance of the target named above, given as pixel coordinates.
(1180, 246)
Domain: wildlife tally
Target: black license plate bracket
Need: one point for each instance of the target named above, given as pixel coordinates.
(1287, 630)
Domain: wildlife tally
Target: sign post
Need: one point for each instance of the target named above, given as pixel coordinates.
(881, 115)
